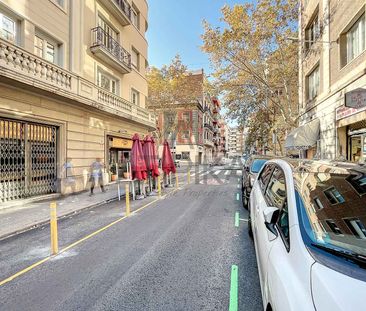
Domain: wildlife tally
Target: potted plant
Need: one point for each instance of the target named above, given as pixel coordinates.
(113, 172)
(126, 174)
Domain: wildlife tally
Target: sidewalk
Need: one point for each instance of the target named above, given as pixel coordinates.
(21, 218)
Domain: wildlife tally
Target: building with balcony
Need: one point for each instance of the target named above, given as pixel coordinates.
(72, 89)
(235, 142)
(332, 80)
(189, 126)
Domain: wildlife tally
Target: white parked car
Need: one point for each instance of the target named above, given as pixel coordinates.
(308, 222)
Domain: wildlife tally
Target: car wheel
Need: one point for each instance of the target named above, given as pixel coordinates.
(245, 199)
(250, 231)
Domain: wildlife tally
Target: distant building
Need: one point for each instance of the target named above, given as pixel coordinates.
(236, 141)
(190, 127)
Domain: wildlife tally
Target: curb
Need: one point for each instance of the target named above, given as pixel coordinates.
(61, 217)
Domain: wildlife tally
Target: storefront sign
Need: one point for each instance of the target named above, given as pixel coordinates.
(344, 112)
(356, 98)
(121, 143)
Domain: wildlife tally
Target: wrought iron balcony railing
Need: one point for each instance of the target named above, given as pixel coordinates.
(121, 9)
(124, 6)
(102, 40)
(35, 73)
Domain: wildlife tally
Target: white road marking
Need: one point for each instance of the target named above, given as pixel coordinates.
(227, 173)
(205, 173)
(217, 172)
(238, 172)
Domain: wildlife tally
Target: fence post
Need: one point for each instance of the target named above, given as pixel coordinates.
(53, 228)
(189, 176)
(127, 190)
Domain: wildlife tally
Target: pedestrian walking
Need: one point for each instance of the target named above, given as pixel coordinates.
(96, 175)
(68, 171)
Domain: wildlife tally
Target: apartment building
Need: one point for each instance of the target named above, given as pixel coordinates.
(221, 150)
(332, 80)
(210, 132)
(72, 89)
(190, 127)
(236, 141)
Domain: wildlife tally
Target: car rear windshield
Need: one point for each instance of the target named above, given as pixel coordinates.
(257, 165)
(333, 209)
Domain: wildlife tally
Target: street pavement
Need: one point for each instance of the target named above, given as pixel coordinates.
(175, 254)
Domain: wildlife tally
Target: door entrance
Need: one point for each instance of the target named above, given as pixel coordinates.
(28, 159)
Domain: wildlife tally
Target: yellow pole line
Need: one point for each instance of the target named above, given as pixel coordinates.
(7, 280)
(10, 278)
(53, 229)
(159, 186)
(92, 234)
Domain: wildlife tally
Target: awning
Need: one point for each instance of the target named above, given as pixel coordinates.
(304, 137)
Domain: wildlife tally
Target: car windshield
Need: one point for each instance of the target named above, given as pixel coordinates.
(257, 165)
(333, 209)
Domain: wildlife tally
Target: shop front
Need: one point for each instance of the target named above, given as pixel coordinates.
(28, 159)
(351, 126)
(119, 155)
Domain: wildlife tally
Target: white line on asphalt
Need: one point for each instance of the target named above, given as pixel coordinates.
(238, 172)
(217, 172)
(205, 173)
(227, 173)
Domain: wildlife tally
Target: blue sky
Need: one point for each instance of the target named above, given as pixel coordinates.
(175, 27)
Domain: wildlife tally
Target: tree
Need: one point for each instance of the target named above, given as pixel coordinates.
(255, 66)
(173, 87)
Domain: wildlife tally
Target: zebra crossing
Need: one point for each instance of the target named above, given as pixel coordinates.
(218, 173)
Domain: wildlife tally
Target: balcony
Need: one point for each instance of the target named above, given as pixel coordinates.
(110, 51)
(208, 142)
(208, 126)
(33, 73)
(121, 10)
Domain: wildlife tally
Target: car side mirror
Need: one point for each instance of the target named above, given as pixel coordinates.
(271, 215)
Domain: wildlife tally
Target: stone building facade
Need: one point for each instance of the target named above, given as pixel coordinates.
(72, 89)
(332, 77)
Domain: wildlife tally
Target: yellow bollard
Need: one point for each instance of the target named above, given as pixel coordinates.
(189, 176)
(176, 180)
(128, 211)
(53, 227)
(159, 187)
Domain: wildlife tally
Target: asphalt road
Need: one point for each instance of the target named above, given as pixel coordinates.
(174, 255)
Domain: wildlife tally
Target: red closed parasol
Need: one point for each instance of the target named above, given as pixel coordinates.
(138, 165)
(148, 153)
(167, 160)
(155, 172)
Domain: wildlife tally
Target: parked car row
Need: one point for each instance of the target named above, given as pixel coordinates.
(308, 223)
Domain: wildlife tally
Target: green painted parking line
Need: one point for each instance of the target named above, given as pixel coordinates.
(237, 219)
(237, 196)
(233, 306)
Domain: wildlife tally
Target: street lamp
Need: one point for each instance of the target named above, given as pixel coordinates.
(294, 39)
